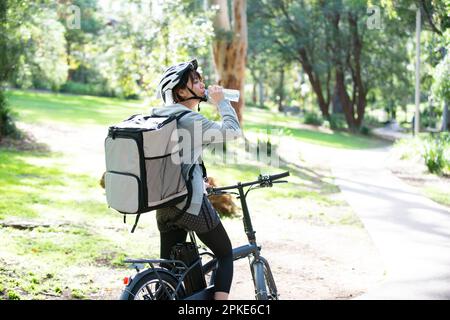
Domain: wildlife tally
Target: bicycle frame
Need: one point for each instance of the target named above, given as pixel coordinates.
(258, 263)
(260, 269)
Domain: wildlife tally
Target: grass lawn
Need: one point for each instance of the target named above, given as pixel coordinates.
(267, 121)
(43, 107)
(410, 166)
(67, 234)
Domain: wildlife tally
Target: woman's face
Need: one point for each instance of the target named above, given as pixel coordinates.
(196, 85)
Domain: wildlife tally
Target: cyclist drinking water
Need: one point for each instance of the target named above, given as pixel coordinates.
(181, 89)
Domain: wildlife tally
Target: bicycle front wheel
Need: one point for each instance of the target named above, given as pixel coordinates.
(270, 283)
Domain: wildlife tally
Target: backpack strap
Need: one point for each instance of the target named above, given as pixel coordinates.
(135, 222)
(204, 173)
(178, 117)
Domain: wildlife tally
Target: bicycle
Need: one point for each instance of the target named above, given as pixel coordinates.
(165, 279)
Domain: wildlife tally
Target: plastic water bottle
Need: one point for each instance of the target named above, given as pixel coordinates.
(229, 94)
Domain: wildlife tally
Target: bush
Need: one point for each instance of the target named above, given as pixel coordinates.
(409, 149)
(337, 121)
(313, 118)
(87, 89)
(249, 103)
(372, 121)
(429, 117)
(7, 126)
(364, 130)
(437, 153)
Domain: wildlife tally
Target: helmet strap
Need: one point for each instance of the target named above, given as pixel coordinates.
(195, 97)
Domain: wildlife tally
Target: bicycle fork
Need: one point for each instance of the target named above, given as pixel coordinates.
(263, 280)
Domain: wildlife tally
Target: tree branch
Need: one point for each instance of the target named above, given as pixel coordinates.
(430, 18)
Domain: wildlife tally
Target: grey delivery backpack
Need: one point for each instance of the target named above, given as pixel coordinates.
(143, 170)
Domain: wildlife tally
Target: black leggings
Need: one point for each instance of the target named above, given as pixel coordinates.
(217, 240)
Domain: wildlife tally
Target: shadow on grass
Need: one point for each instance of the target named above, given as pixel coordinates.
(312, 185)
(339, 140)
(28, 188)
(318, 183)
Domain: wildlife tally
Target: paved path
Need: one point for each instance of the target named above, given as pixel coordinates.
(411, 232)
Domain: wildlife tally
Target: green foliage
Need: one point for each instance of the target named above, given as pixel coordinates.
(432, 149)
(371, 121)
(313, 118)
(7, 126)
(132, 51)
(92, 89)
(408, 149)
(42, 63)
(441, 85)
(12, 295)
(118, 50)
(364, 130)
(429, 117)
(436, 153)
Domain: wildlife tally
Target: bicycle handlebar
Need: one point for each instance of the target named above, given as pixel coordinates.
(279, 176)
(264, 181)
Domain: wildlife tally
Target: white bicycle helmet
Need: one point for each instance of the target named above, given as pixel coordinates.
(172, 77)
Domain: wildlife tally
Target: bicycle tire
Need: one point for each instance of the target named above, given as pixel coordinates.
(270, 283)
(149, 288)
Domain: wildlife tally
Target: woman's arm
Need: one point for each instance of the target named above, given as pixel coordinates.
(217, 132)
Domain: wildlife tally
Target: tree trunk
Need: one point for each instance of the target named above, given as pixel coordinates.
(2, 112)
(315, 83)
(350, 60)
(254, 99)
(281, 91)
(445, 118)
(3, 64)
(344, 98)
(3, 42)
(336, 102)
(69, 63)
(230, 52)
(358, 84)
(254, 83)
(261, 92)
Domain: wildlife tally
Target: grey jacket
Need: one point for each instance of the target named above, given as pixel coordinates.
(202, 132)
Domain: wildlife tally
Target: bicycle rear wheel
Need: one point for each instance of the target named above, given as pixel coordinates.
(152, 287)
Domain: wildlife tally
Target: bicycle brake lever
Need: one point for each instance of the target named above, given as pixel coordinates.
(266, 184)
(216, 193)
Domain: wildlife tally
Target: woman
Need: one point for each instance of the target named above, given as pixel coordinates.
(182, 89)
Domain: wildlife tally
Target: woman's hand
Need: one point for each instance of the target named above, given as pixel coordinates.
(215, 94)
